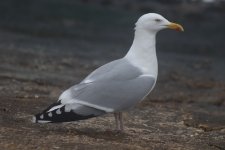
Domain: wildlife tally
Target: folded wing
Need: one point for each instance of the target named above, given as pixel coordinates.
(113, 87)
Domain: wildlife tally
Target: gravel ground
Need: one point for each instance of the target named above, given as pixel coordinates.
(47, 50)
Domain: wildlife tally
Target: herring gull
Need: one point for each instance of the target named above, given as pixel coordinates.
(116, 86)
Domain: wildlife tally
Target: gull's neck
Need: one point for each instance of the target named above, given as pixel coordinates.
(142, 53)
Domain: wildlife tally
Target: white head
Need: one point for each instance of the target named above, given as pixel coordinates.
(153, 22)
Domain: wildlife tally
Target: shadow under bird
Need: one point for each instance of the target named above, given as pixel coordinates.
(116, 86)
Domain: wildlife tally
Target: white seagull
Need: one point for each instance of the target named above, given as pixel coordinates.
(116, 86)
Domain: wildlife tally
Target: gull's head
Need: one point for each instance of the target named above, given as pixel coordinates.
(153, 22)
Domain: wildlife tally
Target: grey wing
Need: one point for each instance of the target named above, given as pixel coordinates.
(113, 87)
(120, 69)
(110, 96)
(89, 100)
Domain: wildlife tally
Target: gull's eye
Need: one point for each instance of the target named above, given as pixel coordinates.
(158, 20)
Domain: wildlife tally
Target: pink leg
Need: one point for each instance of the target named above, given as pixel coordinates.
(119, 121)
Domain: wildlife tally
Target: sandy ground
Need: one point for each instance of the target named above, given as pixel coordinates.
(41, 58)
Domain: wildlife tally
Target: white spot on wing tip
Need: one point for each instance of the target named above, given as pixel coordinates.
(50, 114)
(67, 109)
(58, 112)
(34, 119)
(42, 116)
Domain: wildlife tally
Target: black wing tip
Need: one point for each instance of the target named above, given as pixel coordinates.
(53, 117)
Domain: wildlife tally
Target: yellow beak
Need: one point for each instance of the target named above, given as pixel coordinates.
(175, 26)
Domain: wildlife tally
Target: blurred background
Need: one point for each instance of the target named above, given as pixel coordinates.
(47, 46)
(49, 40)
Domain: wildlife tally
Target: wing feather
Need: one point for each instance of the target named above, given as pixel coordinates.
(113, 87)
